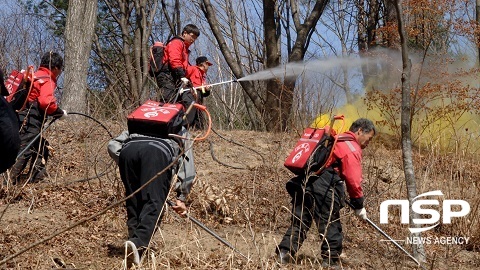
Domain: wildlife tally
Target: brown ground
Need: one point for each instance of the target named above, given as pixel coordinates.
(241, 197)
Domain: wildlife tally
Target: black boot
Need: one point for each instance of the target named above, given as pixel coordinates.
(38, 176)
(16, 171)
(284, 256)
(331, 263)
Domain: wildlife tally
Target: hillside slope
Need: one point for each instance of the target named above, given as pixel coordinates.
(239, 194)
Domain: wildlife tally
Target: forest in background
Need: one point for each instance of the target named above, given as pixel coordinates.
(311, 34)
(244, 38)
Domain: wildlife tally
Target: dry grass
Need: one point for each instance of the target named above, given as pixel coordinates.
(248, 207)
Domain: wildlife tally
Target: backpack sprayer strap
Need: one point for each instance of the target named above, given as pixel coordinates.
(207, 133)
(28, 77)
(328, 133)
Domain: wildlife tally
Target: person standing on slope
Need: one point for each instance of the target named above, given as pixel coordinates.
(41, 103)
(315, 202)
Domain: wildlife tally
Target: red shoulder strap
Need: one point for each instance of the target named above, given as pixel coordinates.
(341, 138)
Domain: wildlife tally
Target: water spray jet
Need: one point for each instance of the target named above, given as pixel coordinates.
(294, 69)
(209, 85)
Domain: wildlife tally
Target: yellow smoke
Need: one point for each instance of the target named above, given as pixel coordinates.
(450, 132)
(351, 112)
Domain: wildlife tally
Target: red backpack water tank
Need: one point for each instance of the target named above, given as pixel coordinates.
(156, 119)
(313, 149)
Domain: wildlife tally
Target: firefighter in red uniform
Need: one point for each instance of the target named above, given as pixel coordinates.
(41, 103)
(315, 202)
(198, 76)
(175, 60)
(172, 79)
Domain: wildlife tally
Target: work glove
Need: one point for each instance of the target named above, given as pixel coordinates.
(205, 90)
(361, 213)
(185, 82)
(64, 115)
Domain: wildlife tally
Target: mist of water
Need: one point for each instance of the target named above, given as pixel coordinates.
(295, 69)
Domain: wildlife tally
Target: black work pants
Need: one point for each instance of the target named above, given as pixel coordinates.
(167, 87)
(314, 203)
(31, 121)
(140, 161)
(168, 91)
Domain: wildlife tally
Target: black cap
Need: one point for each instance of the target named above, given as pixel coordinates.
(202, 59)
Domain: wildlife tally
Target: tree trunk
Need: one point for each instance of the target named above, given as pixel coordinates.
(477, 17)
(232, 59)
(276, 104)
(79, 30)
(418, 249)
(368, 22)
(303, 34)
(272, 50)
